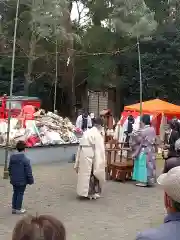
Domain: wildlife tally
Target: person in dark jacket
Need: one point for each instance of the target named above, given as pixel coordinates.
(20, 173)
(173, 161)
(129, 130)
(170, 138)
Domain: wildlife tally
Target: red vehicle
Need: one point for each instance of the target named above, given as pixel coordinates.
(17, 104)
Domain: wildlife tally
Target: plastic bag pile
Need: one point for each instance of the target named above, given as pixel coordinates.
(45, 129)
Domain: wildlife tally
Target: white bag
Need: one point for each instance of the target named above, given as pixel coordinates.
(54, 137)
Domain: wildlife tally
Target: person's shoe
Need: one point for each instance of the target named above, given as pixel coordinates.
(141, 185)
(13, 211)
(22, 211)
(90, 197)
(96, 196)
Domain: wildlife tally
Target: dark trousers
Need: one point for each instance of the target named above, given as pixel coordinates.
(17, 199)
(94, 186)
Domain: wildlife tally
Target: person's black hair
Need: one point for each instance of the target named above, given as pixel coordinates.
(173, 124)
(146, 119)
(20, 146)
(84, 110)
(98, 121)
(131, 119)
(85, 113)
(177, 127)
(130, 124)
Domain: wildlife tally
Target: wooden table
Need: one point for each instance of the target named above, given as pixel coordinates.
(120, 169)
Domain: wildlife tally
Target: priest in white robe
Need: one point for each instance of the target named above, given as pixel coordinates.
(90, 162)
(84, 121)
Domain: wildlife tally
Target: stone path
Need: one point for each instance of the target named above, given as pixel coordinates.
(123, 210)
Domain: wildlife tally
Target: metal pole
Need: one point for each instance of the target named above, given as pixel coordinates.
(6, 174)
(56, 79)
(140, 76)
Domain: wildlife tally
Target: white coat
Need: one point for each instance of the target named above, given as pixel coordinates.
(91, 153)
(80, 119)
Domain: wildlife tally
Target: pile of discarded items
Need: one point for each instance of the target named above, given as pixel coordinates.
(45, 129)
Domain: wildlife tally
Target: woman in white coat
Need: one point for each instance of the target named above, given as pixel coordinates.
(90, 162)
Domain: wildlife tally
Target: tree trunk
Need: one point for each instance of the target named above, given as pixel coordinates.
(73, 110)
(119, 105)
(69, 77)
(28, 74)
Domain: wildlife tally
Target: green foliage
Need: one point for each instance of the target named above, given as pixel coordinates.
(99, 10)
(101, 70)
(98, 39)
(133, 18)
(160, 8)
(160, 68)
(48, 18)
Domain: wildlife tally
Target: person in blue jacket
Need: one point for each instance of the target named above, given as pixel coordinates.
(20, 173)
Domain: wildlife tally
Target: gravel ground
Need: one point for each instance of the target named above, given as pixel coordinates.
(122, 211)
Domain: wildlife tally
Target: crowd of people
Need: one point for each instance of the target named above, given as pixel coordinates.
(145, 172)
(90, 167)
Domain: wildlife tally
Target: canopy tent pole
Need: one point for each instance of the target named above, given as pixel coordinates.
(6, 174)
(140, 76)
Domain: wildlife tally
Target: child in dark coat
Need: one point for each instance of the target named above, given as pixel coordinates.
(20, 173)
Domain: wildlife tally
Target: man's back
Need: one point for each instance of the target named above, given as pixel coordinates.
(170, 230)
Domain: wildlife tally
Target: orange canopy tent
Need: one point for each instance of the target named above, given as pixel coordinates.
(155, 106)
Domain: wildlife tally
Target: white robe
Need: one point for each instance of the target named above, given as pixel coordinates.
(91, 152)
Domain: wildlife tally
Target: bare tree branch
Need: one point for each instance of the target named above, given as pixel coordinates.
(80, 17)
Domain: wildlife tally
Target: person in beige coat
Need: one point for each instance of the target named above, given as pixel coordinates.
(90, 162)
